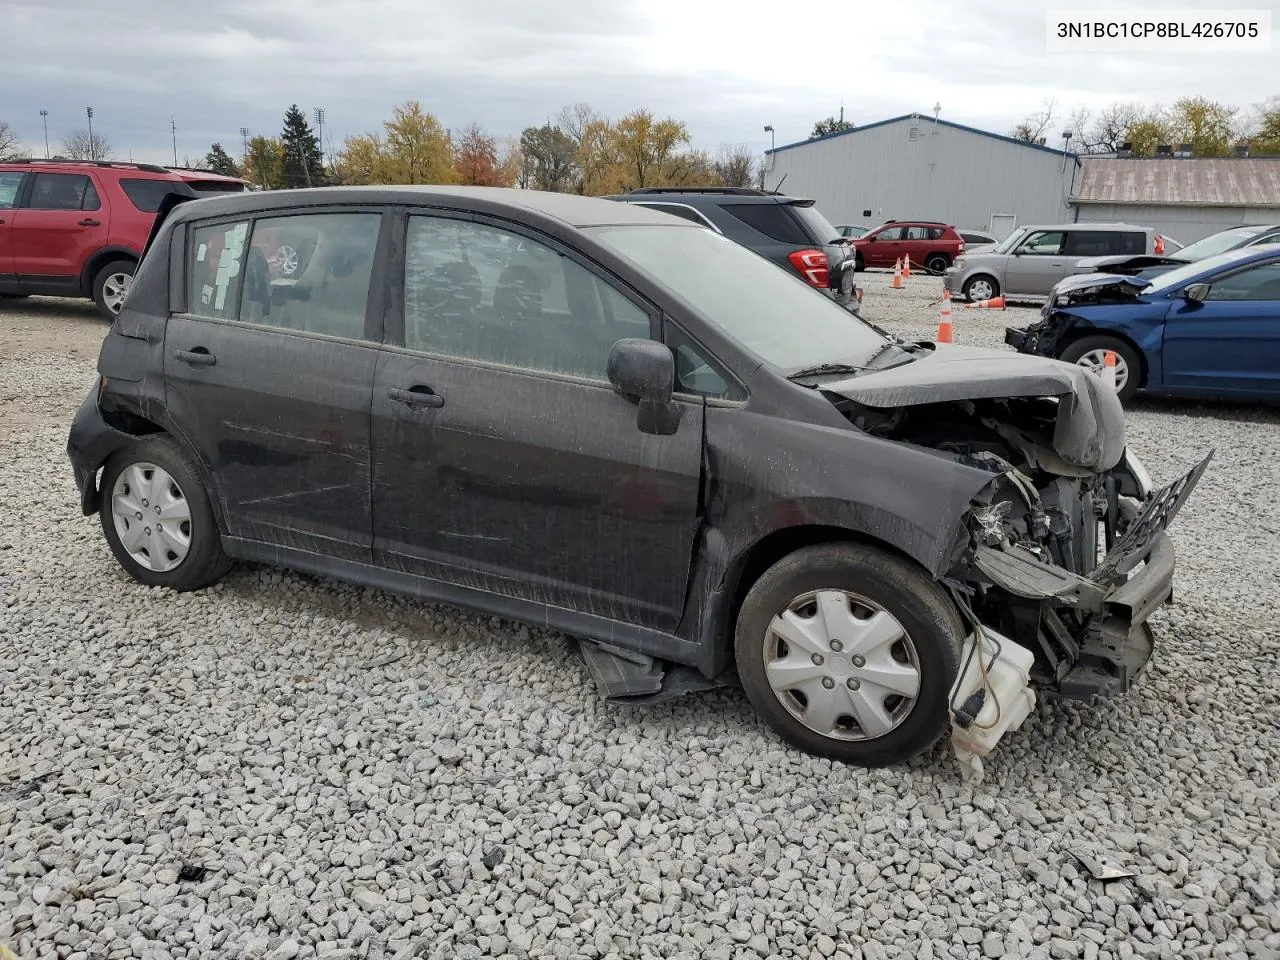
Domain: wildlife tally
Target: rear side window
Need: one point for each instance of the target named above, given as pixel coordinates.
(146, 195)
(311, 273)
(1131, 243)
(9, 184)
(63, 191)
(215, 264)
(771, 219)
(935, 233)
(1103, 243)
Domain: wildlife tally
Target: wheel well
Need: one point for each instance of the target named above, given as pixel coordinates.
(97, 262)
(772, 548)
(1079, 333)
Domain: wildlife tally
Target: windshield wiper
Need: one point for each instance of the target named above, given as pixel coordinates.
(825, 368)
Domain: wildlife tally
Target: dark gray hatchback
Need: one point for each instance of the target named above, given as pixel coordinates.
(595, 418)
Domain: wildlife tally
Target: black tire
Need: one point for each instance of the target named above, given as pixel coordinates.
(968, 285)
(1132, 359)
(100, 284)
(921, 607)
(205, 563)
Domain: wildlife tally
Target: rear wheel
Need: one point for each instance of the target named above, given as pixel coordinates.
(981, 287)
(157, 518)
(111, 285)
(1091, 352)
(937, 264)
(850, 653)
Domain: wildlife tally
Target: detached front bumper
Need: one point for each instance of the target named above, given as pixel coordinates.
(1113, 642)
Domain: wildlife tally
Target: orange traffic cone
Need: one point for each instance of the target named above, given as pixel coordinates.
(906, 267)
(944, 321)
(995, 303)
(1109, 368)
(897, 274)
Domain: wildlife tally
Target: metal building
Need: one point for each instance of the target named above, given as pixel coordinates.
(920, 167)
(1183, 198)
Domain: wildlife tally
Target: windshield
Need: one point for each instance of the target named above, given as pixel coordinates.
(769, 310)
(1218, 243)
(1177, 277)
(1007, 244)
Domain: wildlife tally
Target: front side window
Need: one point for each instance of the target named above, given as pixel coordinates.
(767, 309)
(311, 273)
(63, 191)
(214, 269)
(478, 292)
(1257, 283)
(9, 184)
(888, 233)
(1044, 243)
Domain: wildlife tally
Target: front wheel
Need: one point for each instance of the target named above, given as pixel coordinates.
(157, 518)
(850, 653)
(1091, 353)
(981, 288)
(111, 286)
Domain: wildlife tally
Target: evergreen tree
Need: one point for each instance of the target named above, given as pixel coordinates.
(303, 163)
(219, 161)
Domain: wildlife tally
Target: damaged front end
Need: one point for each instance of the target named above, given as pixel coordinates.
(1054, 328)
(1067, 555)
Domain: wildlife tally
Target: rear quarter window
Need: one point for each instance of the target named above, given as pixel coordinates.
(146, 195)
(771, 219)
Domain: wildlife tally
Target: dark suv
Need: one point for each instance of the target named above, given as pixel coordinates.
(788, 231)
(604, 420)
(75, 228)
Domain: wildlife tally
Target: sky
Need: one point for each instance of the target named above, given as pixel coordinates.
(726, 69)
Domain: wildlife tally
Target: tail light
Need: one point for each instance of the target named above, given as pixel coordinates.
(1159, 246)
(961, 250)
(813, 266)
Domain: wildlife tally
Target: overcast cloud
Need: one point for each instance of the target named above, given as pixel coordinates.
(726, 69)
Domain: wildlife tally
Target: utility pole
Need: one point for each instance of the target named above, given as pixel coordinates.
(173, 129)
(306, 167)
(44, 115)
(93, 145)
(319, 111)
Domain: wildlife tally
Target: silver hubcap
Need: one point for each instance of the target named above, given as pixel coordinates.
(287, 258)
(841, 665)
(151, 516)
(980, 290)
(114, 290)
(1095, 360)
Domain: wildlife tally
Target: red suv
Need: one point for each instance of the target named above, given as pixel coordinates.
(76, 228)
(934, 246)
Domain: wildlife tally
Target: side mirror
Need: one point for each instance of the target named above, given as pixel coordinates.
(645, 371)
(1196, 292)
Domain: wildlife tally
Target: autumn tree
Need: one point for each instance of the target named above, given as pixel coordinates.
(735, 166)
(264, 163)
(1207, 125)
(1109, 130)
(475, 157)
(550, 158)
(599, 160)
(219, 161)
(1263, 133)
(650, 152)
(303, 164)
(1033, 127)
(10, 148)
(79, 145)
(830, 125)
(413, 148)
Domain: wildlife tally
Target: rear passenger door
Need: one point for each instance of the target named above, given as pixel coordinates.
(270, 378)
(503, 459)
(9, 186)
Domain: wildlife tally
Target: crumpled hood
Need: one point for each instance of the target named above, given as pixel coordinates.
(1090, 430)
(1080, 282)
(1129, 265)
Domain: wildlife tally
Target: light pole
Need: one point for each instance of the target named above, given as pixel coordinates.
(93, 147)
(173, 129)
(44, 116)
(319, 111)
(773, 143)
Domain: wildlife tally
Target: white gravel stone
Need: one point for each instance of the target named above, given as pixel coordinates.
(343, 764)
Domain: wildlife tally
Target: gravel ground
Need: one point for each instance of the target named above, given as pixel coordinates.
(288, 767)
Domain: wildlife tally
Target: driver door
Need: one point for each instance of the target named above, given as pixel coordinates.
(883, 247)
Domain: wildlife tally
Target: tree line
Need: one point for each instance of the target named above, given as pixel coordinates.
(1212, 128)
(580, 151)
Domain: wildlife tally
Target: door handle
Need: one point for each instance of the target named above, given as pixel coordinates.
(416, 396)
(197, 357)
(90, 222)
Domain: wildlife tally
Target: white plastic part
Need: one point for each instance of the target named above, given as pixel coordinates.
(1009, 697)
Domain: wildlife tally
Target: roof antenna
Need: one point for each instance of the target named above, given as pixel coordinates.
(777, 189)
